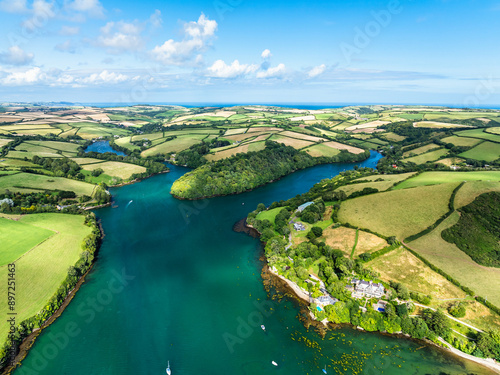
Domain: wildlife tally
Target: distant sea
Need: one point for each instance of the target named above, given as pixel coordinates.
(309, 106)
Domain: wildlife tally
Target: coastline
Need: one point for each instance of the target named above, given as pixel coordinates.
(263, 184)
(302, 296)
(29, 340)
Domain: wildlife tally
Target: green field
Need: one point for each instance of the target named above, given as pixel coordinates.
(482, 280)
(420, 150)
(182, 142)
(269, 214)
(399, 213)
(4, 141)
(493, 130)
(479, 133)
(17, 238)
(433, 178)
(429, 156)
(116, 169)
(387, 181)
(26, 182)
(63, 146)
(40, 271)
(321, 150)
(487, 151)
(461, 141)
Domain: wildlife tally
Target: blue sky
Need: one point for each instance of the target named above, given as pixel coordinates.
(251, 51)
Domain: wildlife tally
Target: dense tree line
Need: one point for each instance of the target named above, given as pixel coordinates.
(244, 172)
(193, 156)
(477, 231)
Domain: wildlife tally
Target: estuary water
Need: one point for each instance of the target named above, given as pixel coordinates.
(174, 282)
(102, 147)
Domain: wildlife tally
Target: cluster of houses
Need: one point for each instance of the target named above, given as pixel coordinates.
(368, 289)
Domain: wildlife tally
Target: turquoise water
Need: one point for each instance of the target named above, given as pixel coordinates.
(102, 147)
(174, 282)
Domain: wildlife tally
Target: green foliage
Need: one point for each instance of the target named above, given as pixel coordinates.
(338, 313)
(478, 229)
(97, 172)
(457, 310)
(244, 172)
(437, 322)
(318, 232)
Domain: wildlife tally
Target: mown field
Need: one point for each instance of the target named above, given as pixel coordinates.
(17, 238)
(482, 280)
(401, 266)
(487, 151)
(428, 156)
(40, 271)
(399, 213)
(433, 178)
(26, 182)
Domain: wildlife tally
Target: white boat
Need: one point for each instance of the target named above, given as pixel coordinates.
(324, 370)
(263, 327)
(274, 363)
(169, 372)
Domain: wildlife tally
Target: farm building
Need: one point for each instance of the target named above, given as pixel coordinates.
(299, 227)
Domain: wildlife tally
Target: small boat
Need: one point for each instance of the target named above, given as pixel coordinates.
(263, 327)
(169, 372)
(274, 363)
(324, 370)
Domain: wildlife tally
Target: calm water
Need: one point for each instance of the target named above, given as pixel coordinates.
(174, 282)
(102, 147)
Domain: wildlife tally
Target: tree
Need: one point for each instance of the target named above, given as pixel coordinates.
(97, 172)
(318, 232)
(457, 310)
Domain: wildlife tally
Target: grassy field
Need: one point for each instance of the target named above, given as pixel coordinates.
(473, 189)
(295, 143)
(450, 161)
(4, 141)
(116, 169)
(40, 271)
(493, 130)
(402, 266)
(247, 147)
(387, 183)
(433, 178)
(393, 137)
(321, 150)
(343, 238)
(269, 214)
(17, 238)
(487, 151)
(461, 141)
(436, 124)
(479, 133)
(182, 142)
(399, 213)
(63, 146)
(25, 182)
(420, 150)
(428, 156)
(482, 280)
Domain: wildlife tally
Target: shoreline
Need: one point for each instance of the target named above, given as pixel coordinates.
(30, 340)
(261, 185)
(299, 294)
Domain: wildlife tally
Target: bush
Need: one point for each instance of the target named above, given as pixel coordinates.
(457, 310)
(97, 172)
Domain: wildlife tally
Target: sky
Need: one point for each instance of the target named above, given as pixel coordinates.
(251, 51)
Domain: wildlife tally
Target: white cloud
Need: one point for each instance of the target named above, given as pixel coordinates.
(92, 7)
(42, 11)
(316, 71)
(31, 76)
(266, 54)
(104, 77)
(120, 37)
(67, 46)
(13, 6)
(220, 69)
(276, 72)
(197, 36)
(156, 19)
(15, 56)
(69, 30)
